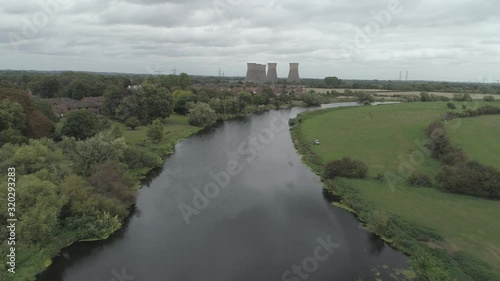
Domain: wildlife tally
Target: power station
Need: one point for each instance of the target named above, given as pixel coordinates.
(293, 75)
(257, 73)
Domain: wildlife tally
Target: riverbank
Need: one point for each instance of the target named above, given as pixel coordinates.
(447, 235)
(176, 129)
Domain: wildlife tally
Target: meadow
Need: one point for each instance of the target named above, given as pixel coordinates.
(387, 138)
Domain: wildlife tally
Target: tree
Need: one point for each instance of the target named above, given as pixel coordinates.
(44, 107)
(113, 94)
(159, 102)
(12, 136)
(489, 98)
(132, 123)
(311, 99)
(116, 131)
(12, 116)
(347, 168)
(156, 131)
(78, 90)
(185, 81)
(81, 124)
(425, 96)
(202, 115)
(244, 99)
(95, 151)
(364, 98)
(131, 106)
(47, 87)
(181, 98)
(333, 82)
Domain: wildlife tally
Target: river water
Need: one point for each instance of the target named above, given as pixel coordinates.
(234, 202)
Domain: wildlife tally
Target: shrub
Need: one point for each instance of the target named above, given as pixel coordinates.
(132, 123)
(419, 180)
(347, 168)
(471, 178)
(489, 98)
(452, 105)
(488, 110)
(156, 131)
(202, 115)
(137, 158)
(81, 124)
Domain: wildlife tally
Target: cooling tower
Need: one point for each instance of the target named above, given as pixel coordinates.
(262, 73)
(293, 75)
(272, 74)
(252, 72)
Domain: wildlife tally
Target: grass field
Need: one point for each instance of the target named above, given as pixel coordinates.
(176, 128)
(384, 137)
(479, 137)
(393, 93)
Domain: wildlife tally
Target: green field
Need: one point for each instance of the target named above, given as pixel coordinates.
(479, 137)
(384, 137)
(176, 128)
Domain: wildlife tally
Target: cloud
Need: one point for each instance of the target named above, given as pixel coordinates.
(458, 38)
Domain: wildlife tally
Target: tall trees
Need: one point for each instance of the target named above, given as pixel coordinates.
(156, 131)
(18, 112)
(147, 103)
(202, 115)
(47, 87)
(81, 124)
(181, 99)
(333, 82)
(159, 102)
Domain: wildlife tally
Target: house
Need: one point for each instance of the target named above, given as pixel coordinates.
(62, 106)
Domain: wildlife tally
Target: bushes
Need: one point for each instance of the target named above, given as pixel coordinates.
(202, 115)
(451, 105)
(419, 180)
(471, 178)
(489, 98)
(138, 158)
(484, 110)
(347, 168)
(132, 123)
(462, 97)
(460, 176)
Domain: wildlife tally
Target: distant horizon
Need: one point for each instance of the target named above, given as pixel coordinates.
(243, 76)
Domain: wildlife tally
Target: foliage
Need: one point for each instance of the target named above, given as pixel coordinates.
(202, 115)
(451, 105)
(156, 131)
(462, 97)
(132, 123)
(33, 125)
(137, 157)
(364, 98)
(311, 99)
(419, 179)
(47, 87)
(181, 99)
(110, 180)
(333, 82)
(81, 124)
(489, 98)
(471, 178)
(347, 168)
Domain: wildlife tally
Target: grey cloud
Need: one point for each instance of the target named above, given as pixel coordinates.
(458, 37)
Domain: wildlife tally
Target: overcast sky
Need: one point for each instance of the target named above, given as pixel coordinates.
(454, 40)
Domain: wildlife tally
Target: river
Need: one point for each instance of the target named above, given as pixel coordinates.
(234, 202)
